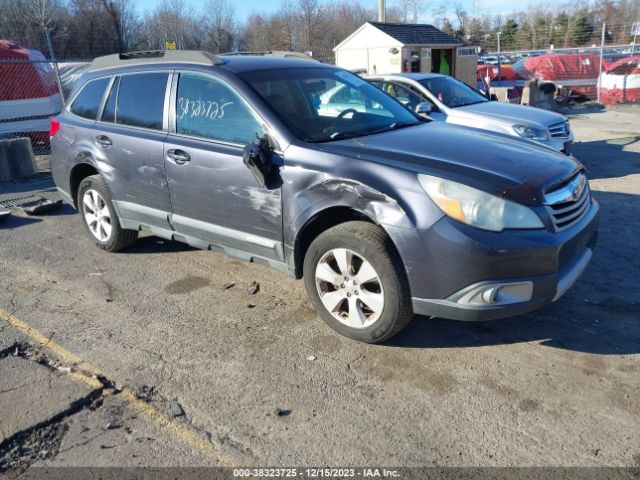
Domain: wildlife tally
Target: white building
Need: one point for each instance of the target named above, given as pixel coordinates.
(381, 48)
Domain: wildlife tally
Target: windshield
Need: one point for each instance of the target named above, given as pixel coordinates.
(452, 92)
(324, 104)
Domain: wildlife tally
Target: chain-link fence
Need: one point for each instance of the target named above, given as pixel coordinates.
(603, 69)
(32, 91)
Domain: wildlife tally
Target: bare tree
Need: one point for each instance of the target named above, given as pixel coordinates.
(440, 12)
(309, 15)
(220, 23)
(285, 26)
(255, 36)
(43, 13)
(24, 21)
(462, 17)
(87, 28)
(174, 21)
(411, 10)
(123, 20)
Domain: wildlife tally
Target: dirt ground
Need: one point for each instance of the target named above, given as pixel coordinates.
(161, 356)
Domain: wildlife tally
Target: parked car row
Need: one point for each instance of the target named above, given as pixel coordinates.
(610, 53)
(384, 212)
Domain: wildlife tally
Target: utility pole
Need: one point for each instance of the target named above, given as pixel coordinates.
(55, 64)
(499, 61)
(604, 29)
(381, 11)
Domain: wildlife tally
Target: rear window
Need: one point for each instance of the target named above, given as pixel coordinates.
(141, 100)
(87, 102)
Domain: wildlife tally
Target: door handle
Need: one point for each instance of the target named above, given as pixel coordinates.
(180, 157)
(103, 141)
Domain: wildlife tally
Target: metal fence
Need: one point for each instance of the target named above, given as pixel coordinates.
(31, 93)
(603, 71)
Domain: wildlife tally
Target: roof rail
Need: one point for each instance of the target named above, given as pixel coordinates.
(150, 57)
(273, 53)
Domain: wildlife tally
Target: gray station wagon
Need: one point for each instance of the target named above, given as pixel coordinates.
(382, 212)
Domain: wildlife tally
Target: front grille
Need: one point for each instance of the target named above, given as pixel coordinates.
(559, 130)
(567, 204)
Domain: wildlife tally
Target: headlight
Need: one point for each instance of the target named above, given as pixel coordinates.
(531, 133)
(477, 208)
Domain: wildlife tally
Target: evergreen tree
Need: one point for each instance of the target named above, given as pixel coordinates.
(509, 32)
(560, 33)
(581, 30)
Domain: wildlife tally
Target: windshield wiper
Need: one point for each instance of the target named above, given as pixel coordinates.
(363, 133)
(336, 136)
(470, 103)
(395, 126)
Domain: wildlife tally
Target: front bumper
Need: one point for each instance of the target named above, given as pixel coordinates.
(533, 268)
(561, 144)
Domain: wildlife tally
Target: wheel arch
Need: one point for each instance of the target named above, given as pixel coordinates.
(79, 172)
(322, 221)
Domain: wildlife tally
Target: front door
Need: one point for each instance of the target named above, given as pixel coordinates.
(214, 197)
(410, 98)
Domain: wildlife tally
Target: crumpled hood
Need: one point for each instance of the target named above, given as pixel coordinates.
(512, 114)
(503, 165)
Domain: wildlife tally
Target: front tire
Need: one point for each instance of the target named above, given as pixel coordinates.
(99, 217)
(357, 283)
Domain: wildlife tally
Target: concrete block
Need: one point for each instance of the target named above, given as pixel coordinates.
(16, 159)
(535, 96)
(501, 92)
(31, 393)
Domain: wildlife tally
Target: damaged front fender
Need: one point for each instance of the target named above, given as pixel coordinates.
(315, 200)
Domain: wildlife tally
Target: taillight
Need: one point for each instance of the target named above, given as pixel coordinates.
(54, 127)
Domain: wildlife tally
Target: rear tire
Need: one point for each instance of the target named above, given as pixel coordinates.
(99, 217)
(357, 283)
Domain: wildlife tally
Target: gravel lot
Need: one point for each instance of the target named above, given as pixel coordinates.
(199, 374)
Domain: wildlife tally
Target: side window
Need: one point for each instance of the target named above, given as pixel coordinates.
(207, 108)
(346, 94)
(343, 97)
(403, 95)
(87, 103)
(109, 112)
(141, 100)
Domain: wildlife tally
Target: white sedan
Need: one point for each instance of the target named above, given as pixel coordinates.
(452, 101)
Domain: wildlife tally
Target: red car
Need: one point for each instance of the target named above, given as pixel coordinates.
(620, 82)
(29, 94)
(578, 72)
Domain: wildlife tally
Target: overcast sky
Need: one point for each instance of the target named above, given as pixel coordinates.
(245, 7)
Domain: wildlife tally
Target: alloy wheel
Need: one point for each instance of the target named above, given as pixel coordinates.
(96, 214)
(349, 288)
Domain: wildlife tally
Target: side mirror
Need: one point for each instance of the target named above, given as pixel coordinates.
(424, 108)
(258, 158)
(493, 97)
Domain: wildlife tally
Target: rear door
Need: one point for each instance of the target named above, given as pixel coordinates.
(214, 196)
(131, 132)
